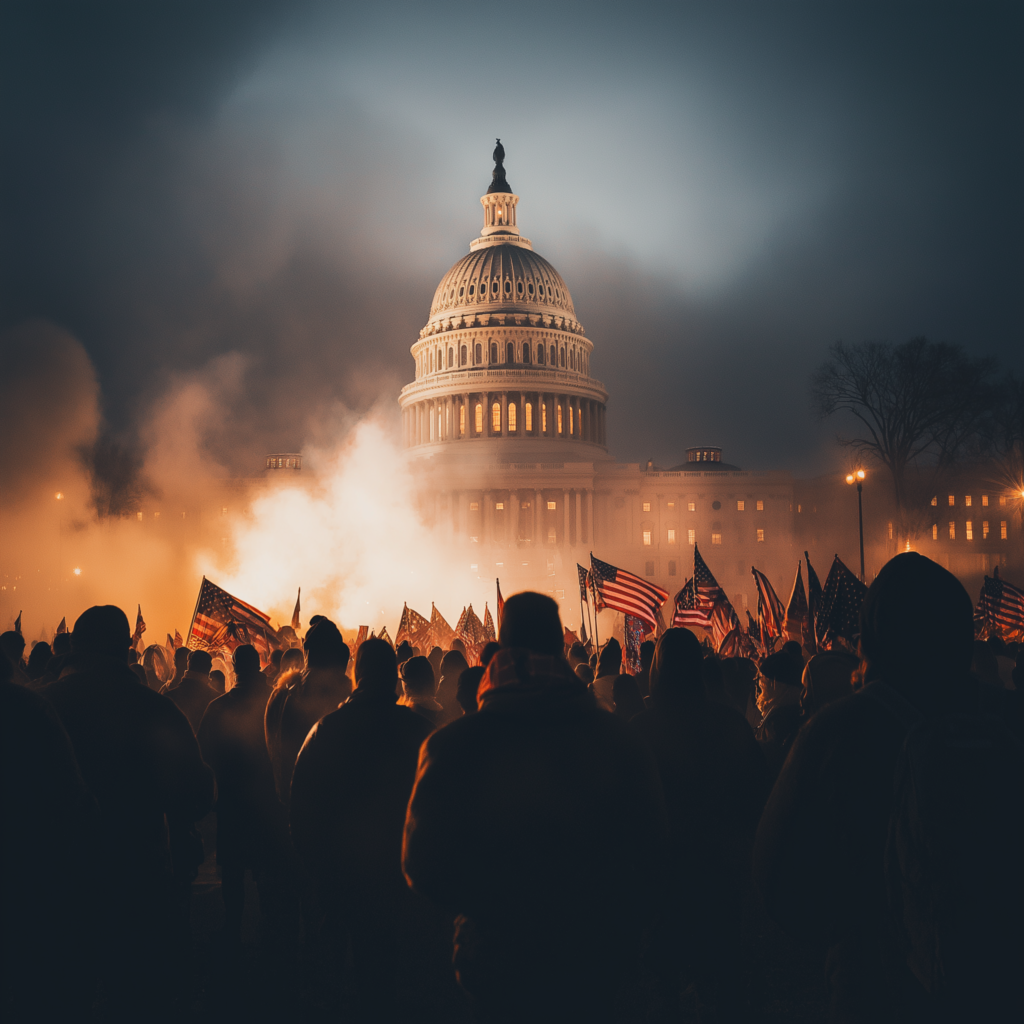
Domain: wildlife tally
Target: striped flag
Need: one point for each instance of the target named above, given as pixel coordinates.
(441, 634)
(178, 642)
(584, 576)
(415, 628)
(140, 627)
(841, 601)
(295, 613)
(488, 624)
(708, 591)
(624, 592)
(501, 603)
(687, 615)
(222, 620)
(1001, 606)
(771, 616)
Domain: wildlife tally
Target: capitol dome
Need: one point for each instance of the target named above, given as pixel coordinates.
(502, 354)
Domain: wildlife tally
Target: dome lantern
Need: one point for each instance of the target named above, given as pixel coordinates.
(499, 205)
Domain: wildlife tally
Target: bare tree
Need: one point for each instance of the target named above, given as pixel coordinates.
(919, 402)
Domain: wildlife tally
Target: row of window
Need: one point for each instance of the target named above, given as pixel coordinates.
(565, 419)
(570, 357)
(968, 500)
(479, 290)
(691, 506)
(968, 530)
(691, 537)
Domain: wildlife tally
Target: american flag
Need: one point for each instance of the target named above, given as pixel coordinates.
(624, 592)
(813, 604)
(470, 630)
(224, 621)
(140, 627)
(771, 615)
(796, 610)
(1001, 606)
(584, 576)
(178, 642)
(687, 614)
(723, 619)
(841, 602)
(441, 634)
(488, 624)
(634, 634)
(501, 603)
(414, 627)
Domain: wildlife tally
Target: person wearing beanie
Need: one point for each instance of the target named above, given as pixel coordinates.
(823, 856)
(538, 823)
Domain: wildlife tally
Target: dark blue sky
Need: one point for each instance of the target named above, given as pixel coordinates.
(726, 188)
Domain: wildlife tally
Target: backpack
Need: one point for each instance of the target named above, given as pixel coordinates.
(955, 858)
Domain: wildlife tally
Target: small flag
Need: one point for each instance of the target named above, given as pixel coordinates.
(170, 647)
(841, 602)
(634, 634)
(754, 630)
(222, 620)
(470, 629)
(62, 626)
(627, 593)
(723, 619)
(17, 624)
(687, 615)
(1001, 606)
(771, 616)
(569, 637)
(441, 634)
(488, 624)
(501, 603)
(813, 604)
(384, 635)
(362, 636)
(178, 642)
(140, 628)
(414, 628)
(584, 576)
(796, 610)
(295, 614)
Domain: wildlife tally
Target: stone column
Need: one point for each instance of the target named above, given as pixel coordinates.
(513, 519)
(565, 519)
(504, 414)
(486, 506)
(589, 517)
(578, 502)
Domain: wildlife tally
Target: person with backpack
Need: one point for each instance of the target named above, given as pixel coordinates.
(893, 835)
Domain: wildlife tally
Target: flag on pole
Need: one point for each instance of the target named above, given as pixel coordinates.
(584, 576)
(383, 635)
(796, 610)
(501, 603)
(1001, 606)
(472, 632)
(441, 634)
(489, 634)
(634, 633)
(687, 615)
(62, 626)
(754, 630)
(724, 619)
(625, 592)
(295, 613)
(178, 642)
(771, 615)
(222, 620)
(17, 624)
(169, 647)
(414, 628)
(813, 604)
(140, 628)
(841, 602)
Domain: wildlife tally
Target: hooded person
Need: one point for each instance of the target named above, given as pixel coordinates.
(925, 751)
(139, 757)
(293, 710)
(715, 782)
(538, 822)
(351, 785)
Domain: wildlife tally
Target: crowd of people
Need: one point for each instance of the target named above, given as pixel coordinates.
(538, 837)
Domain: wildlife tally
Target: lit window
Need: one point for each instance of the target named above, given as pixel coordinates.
(648, 568)
(716, 538)
(935, 531)
(552, 536)
(671, 536)
(499, 507)
(952, 500)
(572, 425)
(544, 418)
(952, 531)
(984, 529)
(528, 413)
(1002, 530)
(647, 506)
(740, 506)
(671, 504)
(984, 500)
(496, 418)
(462, 421)
(647, 538)
(890, 531)
(479, 414)
(760, 536)
(558, 417)
(967, 500)
(474, 506)
(552, 505)
(799, 508)
(935, 500)
(671, 568)
(691, 536)
(511, 417)
(139, 515)
(969, 531)
(692, 507)
(760, 506)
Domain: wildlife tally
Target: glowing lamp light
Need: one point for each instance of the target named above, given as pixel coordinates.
(860, 474)
(78, 571)
(59, 496)
(849, 478)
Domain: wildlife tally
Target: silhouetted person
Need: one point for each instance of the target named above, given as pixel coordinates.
(140, 759)
(609, 666)
(643, 677)
(779, 705)
(154, 662)
(715, 781)
(453, 664)
(38, 660)
(794, 650)
(350, 789)
(418, 689)
(292, 711)
(893, 833)
(273, 667)
(12, 644)
(194, 692)
(251, 823)
(435, 657)
(469, 684)
(47, 878)
(739, 680)
(827, 677)
(539, 822)
(181, 656)
(217, 680)
(626, 694)
(490, 649)
(61, 644)
(404, 651)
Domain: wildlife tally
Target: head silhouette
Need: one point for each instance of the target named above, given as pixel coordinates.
(677, 669)
(62, 644)
(418, 677)
(324, 646)
(246, 662)
(12, 644)
(917, 623)
(201, 662)
(376, 666)
(647, 653)
(37, 660)
(610, 661)
(453, 664)
(104, 630)
(531, 620)
(491, 648)
(469, 684)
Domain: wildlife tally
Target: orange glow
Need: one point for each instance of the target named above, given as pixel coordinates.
(59, 496)
(78, 571)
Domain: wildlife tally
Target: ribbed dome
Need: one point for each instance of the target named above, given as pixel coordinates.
(502, 279)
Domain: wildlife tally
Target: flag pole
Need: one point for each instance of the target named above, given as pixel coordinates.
(582, 616)
(194, 613)
(597, 639)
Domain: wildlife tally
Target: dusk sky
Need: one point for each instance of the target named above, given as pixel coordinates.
(726, 188)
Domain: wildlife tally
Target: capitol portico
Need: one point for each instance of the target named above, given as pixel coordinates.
(508, 430)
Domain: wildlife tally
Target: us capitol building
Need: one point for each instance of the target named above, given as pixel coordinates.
(508, 430)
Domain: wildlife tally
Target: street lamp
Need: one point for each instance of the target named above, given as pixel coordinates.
(858, 476)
